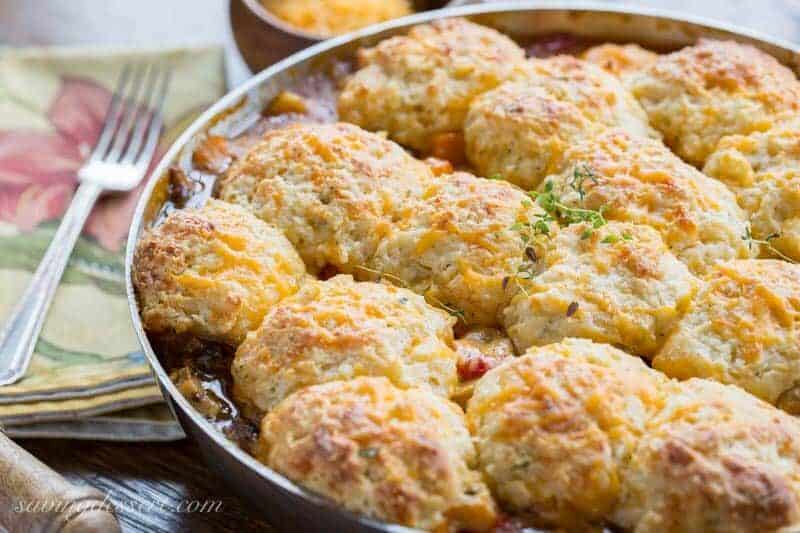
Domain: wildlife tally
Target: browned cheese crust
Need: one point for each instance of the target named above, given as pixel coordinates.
(715, 459)
(743, 328)
(459, 246)
(213, 272)
(618, 284)
(640, 181)
(579, 434)
(341, 329)
(403, 456)
(763, 170)
(420, 85)
(521, 130)
(699, 94)
(334, 189)
(554, 428)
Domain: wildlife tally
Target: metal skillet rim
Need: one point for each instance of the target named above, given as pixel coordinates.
(232, 97)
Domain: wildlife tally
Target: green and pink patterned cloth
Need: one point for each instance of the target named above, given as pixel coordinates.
(88, 377)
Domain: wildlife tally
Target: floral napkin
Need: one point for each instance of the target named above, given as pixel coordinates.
(88, 362)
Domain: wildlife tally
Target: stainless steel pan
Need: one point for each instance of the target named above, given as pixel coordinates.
(284, 504)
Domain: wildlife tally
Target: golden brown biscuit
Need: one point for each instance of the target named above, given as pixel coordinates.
(213, 272)
(699, 94)
(521, 130)
(554, 427)
(334, 189)
(599, 95)
(618, 284)
(420, 85)
(580, 433)
(620, 60)
(640, 181)
(763, 169)
(715, 459)
(743, 328)
(459, 245)
(341, 329)
(402, 456)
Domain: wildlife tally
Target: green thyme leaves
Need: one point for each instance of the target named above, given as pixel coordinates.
(612, 238)
(555, 210)
(368, 453)
(454, 311)
(752, 243)
(580, 174)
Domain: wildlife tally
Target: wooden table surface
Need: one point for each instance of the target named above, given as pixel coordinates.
(149, 483)
(153, 486)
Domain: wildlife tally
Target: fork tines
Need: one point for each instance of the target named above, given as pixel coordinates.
(133, 121)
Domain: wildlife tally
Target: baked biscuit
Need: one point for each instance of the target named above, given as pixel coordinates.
(699, 94)
(521, 130)
(581, 434)
(460, 245)
(598, 94)
(618, 284)
(621, 60)
(640, 181)
(715, 459)
(213, 272)
(763, 170)
(554, 427)
(419, 86)
(341, 329)
(743, 328)
(334, 189)
(402, 456)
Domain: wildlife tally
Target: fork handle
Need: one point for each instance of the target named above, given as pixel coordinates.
(21, 330)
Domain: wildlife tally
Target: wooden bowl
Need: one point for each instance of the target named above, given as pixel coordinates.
(264, 39)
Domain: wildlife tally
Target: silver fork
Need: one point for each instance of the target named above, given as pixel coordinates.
(118, 162)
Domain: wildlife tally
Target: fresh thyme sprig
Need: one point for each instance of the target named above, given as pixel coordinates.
(752, 242)
(396, 280)
(554, 210)
(579, 175)
(454, 311)
(391, 277)
(567, 215)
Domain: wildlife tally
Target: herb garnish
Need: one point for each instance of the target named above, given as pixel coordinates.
(454, 311)
(554, 210)
(767, 243)
(525, 463)
(391, 277)
(368, 453)
(396, 280)
(612, 238)
(579, 175)
(572, 309)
